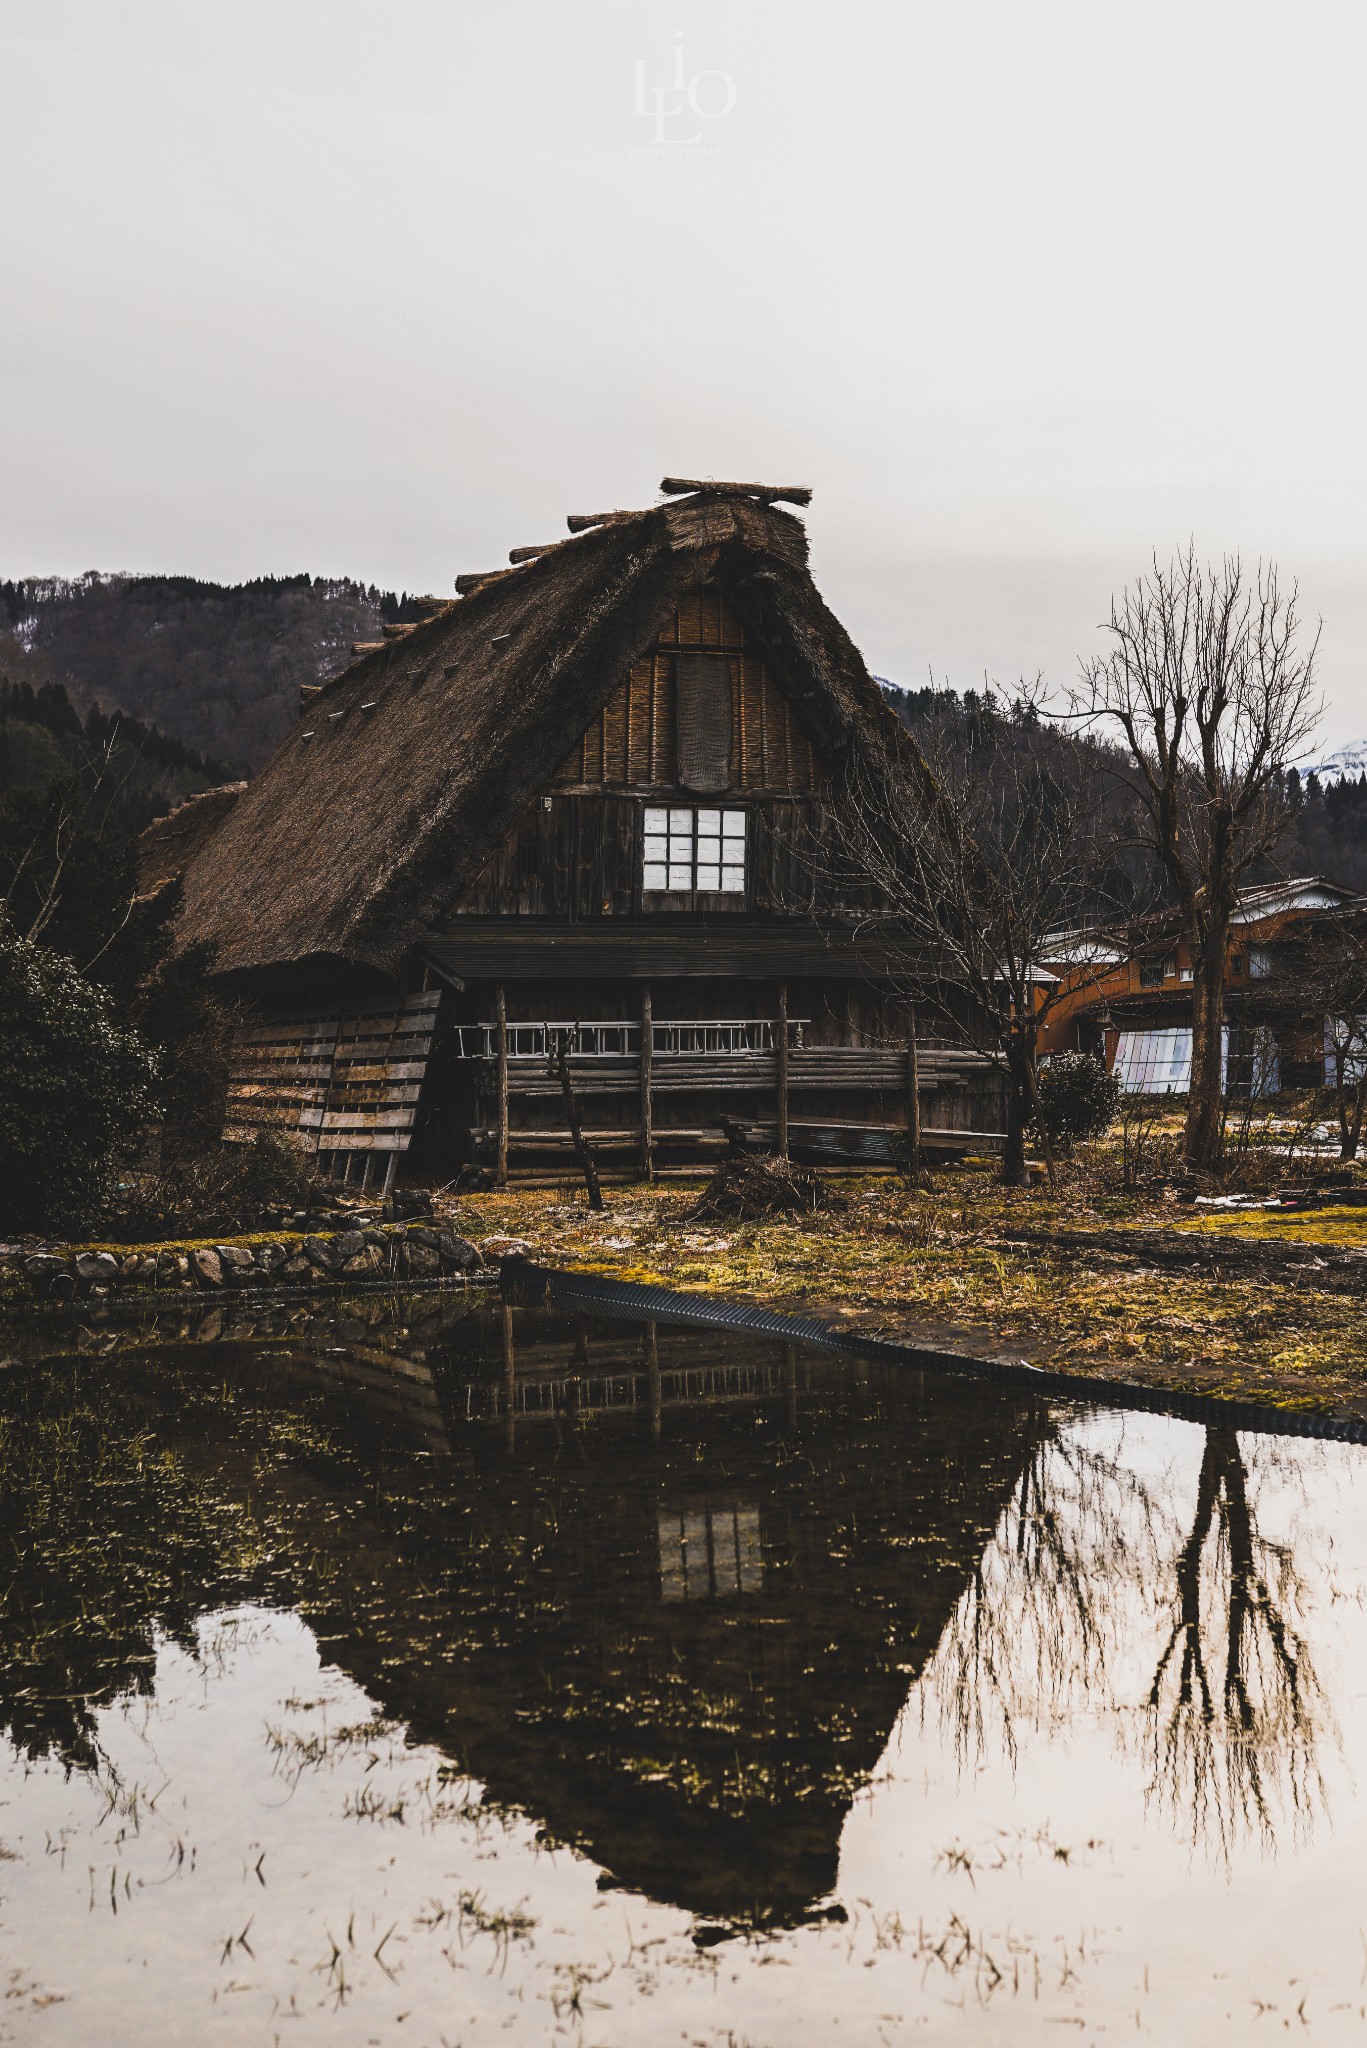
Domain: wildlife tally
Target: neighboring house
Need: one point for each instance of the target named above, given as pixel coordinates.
(1133, 1003)
(586, 797)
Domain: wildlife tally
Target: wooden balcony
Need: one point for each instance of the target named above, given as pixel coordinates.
(755, 1070)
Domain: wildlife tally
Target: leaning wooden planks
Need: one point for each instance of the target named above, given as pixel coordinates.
(345, 1080)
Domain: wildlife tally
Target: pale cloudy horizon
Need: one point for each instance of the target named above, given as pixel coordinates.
(1022, 294)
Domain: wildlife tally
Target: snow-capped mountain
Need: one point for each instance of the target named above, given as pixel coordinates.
(1346, 761)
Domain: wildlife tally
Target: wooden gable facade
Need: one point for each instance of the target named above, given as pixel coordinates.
(646, 880)
(577, 852)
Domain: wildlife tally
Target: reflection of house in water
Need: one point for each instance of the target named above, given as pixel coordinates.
(665, 1592)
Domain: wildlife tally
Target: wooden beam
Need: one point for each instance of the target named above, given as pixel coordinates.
(647, 1059)
(501, 1001)
(914, 1161)
(783, 1070)
(516, 555)
(790, 494)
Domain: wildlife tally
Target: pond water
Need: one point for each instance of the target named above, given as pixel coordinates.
(423, 1669)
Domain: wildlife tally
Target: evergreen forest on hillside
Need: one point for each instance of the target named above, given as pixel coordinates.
(215, 666)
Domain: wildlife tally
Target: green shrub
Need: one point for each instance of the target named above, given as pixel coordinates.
(76, 1090)
(1077, 1098)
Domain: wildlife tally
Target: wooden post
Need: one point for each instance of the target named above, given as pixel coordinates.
(652, 1347)
(914, 1155)
(501, 1012)
(647, 1059)
(783, 1070)
(390, 1171)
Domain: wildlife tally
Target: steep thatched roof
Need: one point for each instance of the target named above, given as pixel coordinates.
(407, 770)
(169, 844)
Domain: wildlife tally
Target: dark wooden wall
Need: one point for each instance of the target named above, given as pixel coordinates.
(576, 854)
(578, 857)
(631, 745)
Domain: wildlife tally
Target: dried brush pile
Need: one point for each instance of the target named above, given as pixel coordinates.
(229, 1188)
(750, 1189)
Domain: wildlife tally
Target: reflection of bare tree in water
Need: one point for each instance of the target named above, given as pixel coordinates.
(1234, 1711)
(1034, 1630)
(1236, 1708)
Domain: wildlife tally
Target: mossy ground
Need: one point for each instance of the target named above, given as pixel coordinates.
(940, 1266)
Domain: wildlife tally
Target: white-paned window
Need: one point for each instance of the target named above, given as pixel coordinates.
(689, 851)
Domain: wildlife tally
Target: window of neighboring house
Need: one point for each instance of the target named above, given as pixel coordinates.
(1236, 966)
(1151, 973)
(1259, 961)
(693, 852)
(1182, 973)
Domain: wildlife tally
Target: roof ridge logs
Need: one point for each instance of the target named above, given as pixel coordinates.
(580, 522)
(788, 494)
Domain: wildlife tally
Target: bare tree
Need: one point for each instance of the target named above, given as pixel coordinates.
(560, 1066)
(1318, 994)
(974, 842)
(1210, 688)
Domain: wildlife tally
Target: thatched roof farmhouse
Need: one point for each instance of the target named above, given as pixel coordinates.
(584, 795)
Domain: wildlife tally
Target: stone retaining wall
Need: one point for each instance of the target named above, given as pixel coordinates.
(416, 1252)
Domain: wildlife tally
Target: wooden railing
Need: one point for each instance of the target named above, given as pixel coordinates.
(719, 1036)
(750, 1061)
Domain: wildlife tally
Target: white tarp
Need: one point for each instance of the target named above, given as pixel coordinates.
(1154, 1062)
(1159, 1062)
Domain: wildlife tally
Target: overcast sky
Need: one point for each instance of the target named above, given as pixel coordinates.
(1022, 291)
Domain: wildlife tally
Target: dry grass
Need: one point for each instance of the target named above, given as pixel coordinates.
(943, 1263)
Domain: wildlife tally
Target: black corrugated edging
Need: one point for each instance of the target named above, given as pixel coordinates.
(519, 1277)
